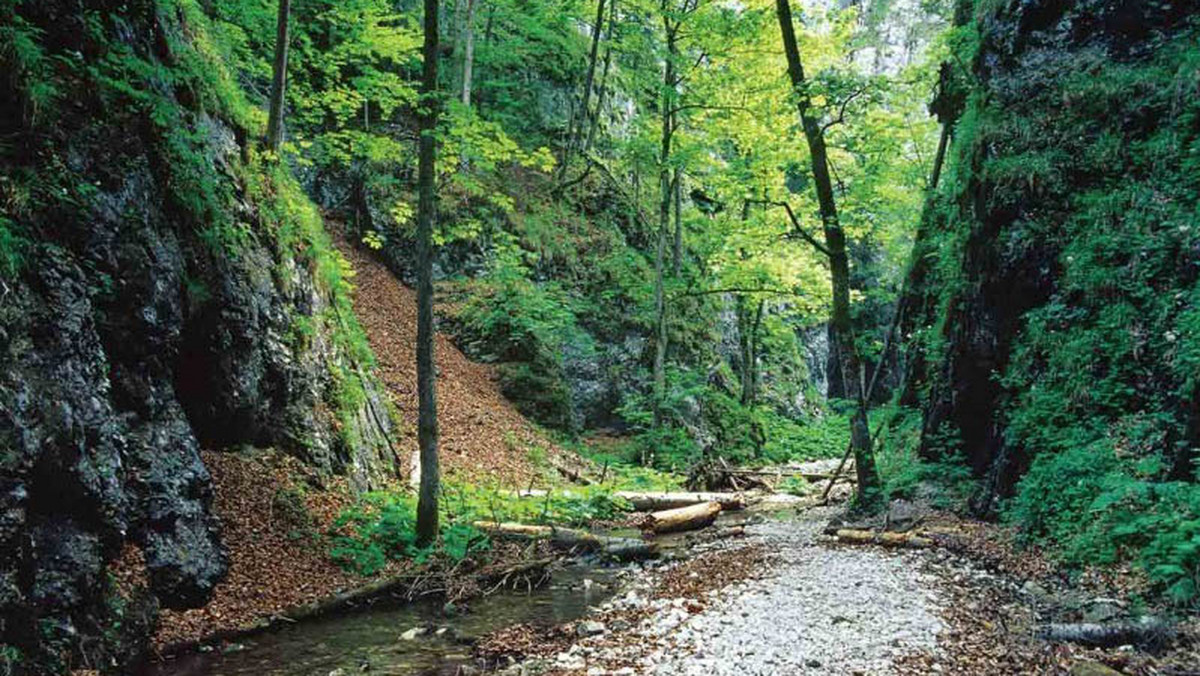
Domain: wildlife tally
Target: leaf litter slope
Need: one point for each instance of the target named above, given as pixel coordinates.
(482, 433)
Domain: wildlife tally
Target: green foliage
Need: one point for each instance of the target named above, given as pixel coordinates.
(382, 527)
(825, 436)
(526, 327)
(1098, 157)
(1096, 507)
(25, 60)
(10, 659)
(12, 246)
(795, 485)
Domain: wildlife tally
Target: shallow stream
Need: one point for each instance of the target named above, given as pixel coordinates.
(370, 641)
(372, 638)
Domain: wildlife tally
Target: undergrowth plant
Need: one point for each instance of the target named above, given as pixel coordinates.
(380, 527)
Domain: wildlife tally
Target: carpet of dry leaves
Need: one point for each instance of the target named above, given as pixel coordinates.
(482, 433)
(275, 562)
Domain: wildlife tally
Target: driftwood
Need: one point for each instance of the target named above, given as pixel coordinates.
(650, 502)
(691, 517)
(1146, 631)
(731, 532)
(781, 473)
(574, 476)
(887, 539)
(622, 549)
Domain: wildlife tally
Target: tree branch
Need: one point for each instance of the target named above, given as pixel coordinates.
(799, 230)
(842, 110)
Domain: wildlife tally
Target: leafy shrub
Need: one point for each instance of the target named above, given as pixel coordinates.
(524, 326)
(383, 527)
(575, 506)
(791, 441)
(795, 485)
(1098, 508)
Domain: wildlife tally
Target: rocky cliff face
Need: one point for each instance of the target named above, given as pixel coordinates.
(163, 290)
(1061, 251)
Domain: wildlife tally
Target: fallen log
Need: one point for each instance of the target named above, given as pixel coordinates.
(621, 549)
(886, 539)
(1148, 631)
(782, 473)
(573, 475)
(691, 517)
(652, 502)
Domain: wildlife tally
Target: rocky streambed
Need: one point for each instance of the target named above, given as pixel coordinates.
(778, 601)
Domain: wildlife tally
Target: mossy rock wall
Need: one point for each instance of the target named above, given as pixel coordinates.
(163, 288)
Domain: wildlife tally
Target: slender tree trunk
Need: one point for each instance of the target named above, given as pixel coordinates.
(468, 52)
(279, 78)
(839, 266)
(581, 118)
(454, 38)
(754, 334)
(594, 121)
(677, 246)
(664, 224)
(427, 424)
(744, 349)
(487, 31)
(749, 324)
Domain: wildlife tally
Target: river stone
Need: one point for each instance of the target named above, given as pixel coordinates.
(413, 633)
(1102, 610)
(589, 628)
(1090, 668)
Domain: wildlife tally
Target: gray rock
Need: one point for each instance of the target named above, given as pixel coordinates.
(413, 633)
(589, 628)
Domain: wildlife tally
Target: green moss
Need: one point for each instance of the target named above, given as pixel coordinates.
(1093, 165)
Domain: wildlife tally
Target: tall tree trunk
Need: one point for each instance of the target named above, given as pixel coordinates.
(745, 352)
(468, 52)
(677, 246)
(664, 223)
(427, 424)
(749, 324)
(279, 78)
(754, 342)
(839, 266)
(602, 90)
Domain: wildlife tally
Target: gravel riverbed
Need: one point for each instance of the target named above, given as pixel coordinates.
(808, 608)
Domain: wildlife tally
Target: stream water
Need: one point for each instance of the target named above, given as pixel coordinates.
(372, 638)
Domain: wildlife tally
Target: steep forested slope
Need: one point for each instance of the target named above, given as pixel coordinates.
(164, 288)
(1056, 278)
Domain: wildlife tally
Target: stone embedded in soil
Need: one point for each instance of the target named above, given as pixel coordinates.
(413, 633)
